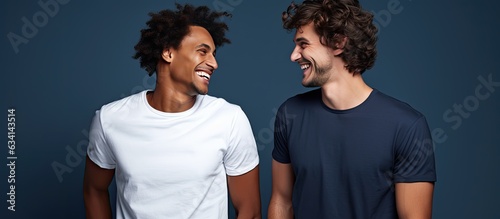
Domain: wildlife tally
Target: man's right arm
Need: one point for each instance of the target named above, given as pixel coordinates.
(280, 206)
(95, 190)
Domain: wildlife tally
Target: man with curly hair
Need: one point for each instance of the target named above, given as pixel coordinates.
(174, 151)
(346, 150)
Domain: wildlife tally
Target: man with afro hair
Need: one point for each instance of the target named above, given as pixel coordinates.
(174, 151)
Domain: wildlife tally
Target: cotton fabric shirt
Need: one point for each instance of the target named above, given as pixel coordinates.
(346, 162)
(172, 165)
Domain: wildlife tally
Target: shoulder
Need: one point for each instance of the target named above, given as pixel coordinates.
(124, 105)
(218, 105)
(393, 106)
(211, 101)
(398, 113)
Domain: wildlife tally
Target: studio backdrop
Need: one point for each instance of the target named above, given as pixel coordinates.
(63, 59)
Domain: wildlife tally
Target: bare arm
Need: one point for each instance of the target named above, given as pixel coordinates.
(280, 206)
(245, 194)
(414, 200)
(95, 190)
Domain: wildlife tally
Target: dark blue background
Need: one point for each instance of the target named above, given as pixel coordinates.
(431, 55)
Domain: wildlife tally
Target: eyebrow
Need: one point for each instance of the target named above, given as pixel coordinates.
(301, 40)
(203, 45)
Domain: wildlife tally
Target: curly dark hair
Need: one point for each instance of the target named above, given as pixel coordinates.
(333, 20)
(167, 29)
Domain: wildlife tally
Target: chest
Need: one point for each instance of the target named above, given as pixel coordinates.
(341, 145)
(174, 152)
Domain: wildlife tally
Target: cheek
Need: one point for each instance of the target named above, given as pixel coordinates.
(319, 57)
(195, 61)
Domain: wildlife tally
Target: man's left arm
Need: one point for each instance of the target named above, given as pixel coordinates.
(245, 194)
(414, 200)
(415, 172)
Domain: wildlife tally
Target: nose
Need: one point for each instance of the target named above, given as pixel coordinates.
(295, 56)
(212, 62)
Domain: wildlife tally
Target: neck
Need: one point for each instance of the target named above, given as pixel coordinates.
(345, 92)
(166, 101)
(167, 98)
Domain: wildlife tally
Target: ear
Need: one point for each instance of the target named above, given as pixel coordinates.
(340, 46)
(167, 55)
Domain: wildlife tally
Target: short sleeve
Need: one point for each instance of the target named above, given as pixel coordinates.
(414, 161)
(280, 151)
(241, 155)
(98, 150)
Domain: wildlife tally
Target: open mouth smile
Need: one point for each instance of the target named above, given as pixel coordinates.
(304, 66)
(203, 74)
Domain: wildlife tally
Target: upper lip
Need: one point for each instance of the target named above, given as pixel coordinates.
(303, 62)
(207, 70)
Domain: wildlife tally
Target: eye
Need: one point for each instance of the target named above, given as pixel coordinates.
(203, 51)
(303, 45)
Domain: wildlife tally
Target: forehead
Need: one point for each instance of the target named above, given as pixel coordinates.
(306, 32)
(198, 35)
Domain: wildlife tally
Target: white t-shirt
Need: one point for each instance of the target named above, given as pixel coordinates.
(172, 165)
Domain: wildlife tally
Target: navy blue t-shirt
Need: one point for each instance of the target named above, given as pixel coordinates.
(347, 161)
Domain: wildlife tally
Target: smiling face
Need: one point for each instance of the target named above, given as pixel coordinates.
(314, 58)
(192, 64)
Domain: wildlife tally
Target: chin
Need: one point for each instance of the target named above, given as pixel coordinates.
(203, 92)
(308, 84)
(199, 89)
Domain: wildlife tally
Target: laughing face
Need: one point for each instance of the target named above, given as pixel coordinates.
(192, 64)
(313, 57)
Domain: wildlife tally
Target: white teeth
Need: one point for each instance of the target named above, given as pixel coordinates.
(304, 67)
(203, 74)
